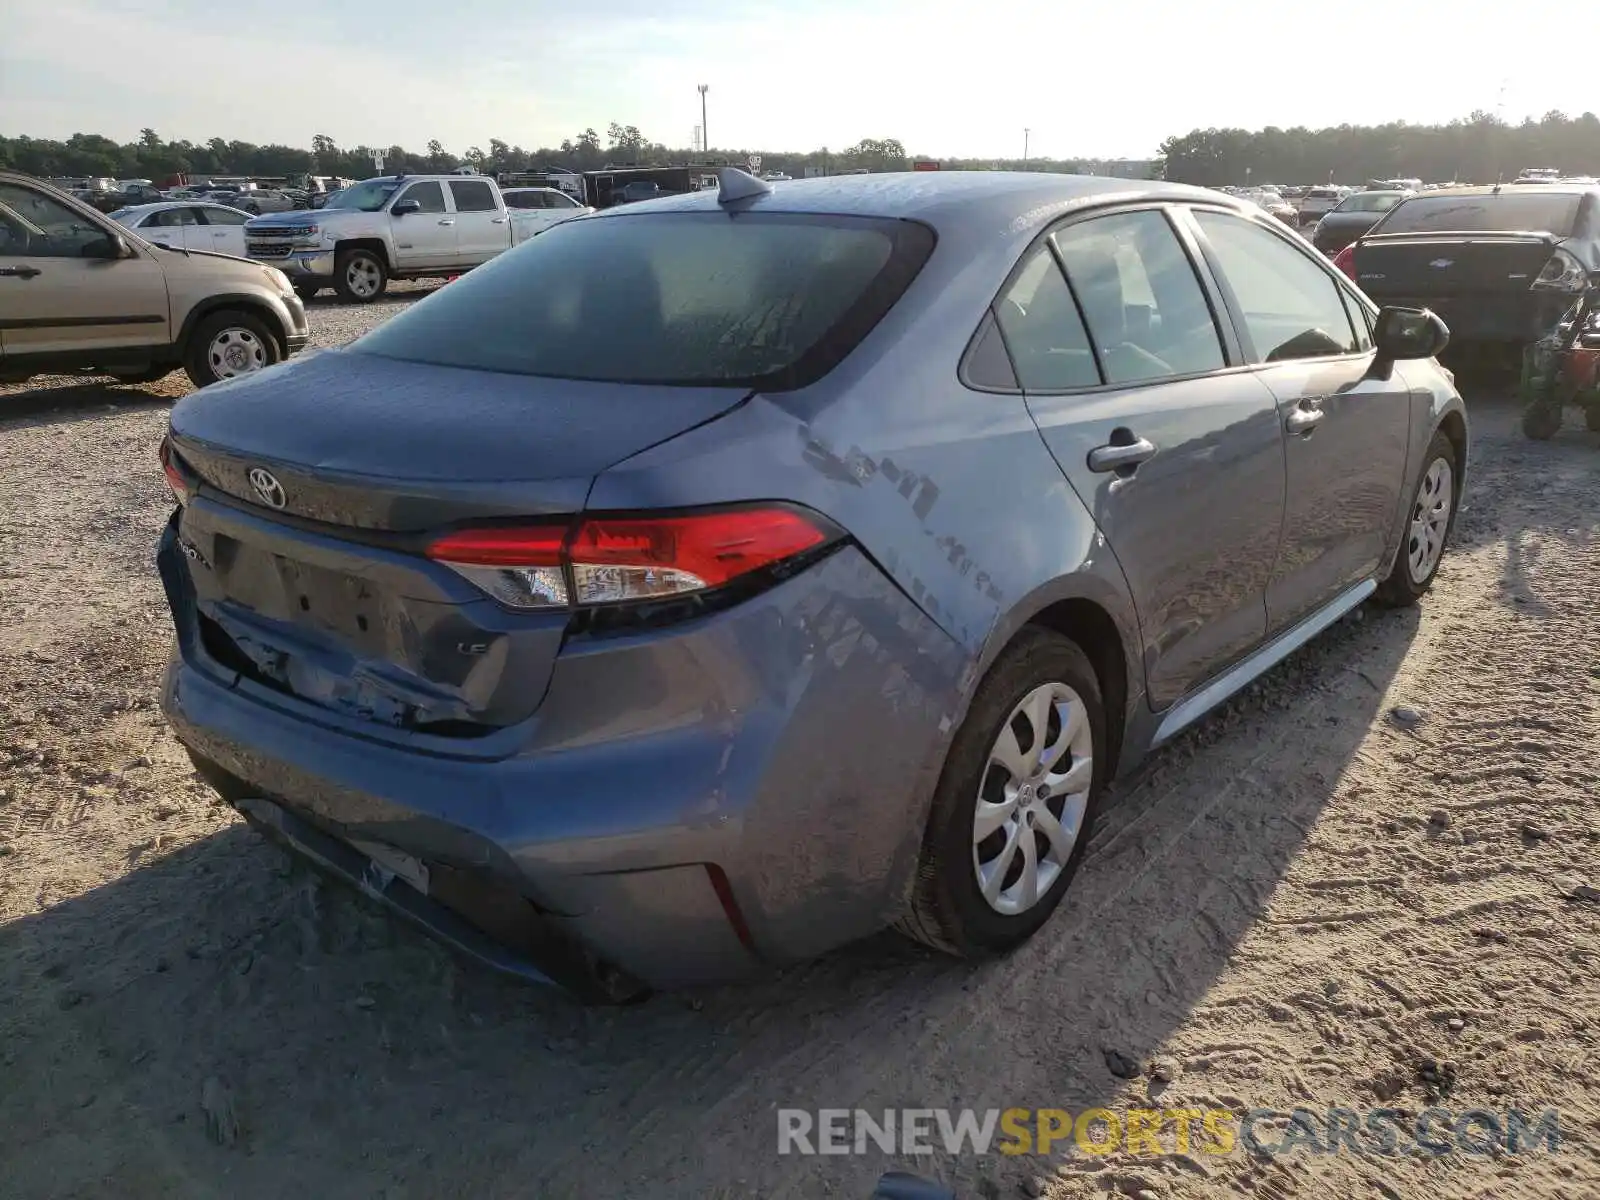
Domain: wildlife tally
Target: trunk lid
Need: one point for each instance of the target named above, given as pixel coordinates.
(1420, 266)
(314, 585)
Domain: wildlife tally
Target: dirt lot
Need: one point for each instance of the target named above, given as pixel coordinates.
(1369, 880)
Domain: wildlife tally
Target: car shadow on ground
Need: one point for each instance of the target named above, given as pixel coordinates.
(92, 398)
(220, 1020)
(402, 292)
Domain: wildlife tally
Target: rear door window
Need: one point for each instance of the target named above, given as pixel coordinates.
(768, 300)
(1145, 308)
(1042, 329)
(1291, 307)
(472, 195)
(1513, 210)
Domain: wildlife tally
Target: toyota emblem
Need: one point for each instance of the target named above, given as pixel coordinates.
(267, 488)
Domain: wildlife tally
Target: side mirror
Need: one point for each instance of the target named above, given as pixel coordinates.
(110, 247)
(402, 207)
(1403, 333)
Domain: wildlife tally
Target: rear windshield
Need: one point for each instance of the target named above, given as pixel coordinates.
(1369, 202)
(762, 300)
(1538, 211)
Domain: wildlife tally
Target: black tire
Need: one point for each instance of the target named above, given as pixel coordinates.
(196, 353)
(1400, 589)
(948, 911)
(1591, 418)
(341, 275)
(1542, 421)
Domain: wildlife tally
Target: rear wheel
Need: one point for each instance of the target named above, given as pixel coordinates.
(228, 344)
(1015, 803)
(1433, 511)
(1591, 417)
(359, 276)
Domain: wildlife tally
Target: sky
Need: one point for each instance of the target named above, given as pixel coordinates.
(947, 79)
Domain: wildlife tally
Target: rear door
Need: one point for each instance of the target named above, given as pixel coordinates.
(482, 227)
(1179, 457)
(1345, 429)
(54, 301)
(222, 231)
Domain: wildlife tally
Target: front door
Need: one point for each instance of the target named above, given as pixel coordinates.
(1346, 429)
(482, 227)
(56, 301)
(426, 238)
(1179, 460)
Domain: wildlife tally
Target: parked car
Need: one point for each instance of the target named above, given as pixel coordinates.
(638, 190)
(266, 200)
(79, 292)
(1271, 203)
(1499, 265)
(392, 227)
(188, 226)
(1318, 201)
(124, 197)
(536, 209)
(678, 595)
(1351, 217)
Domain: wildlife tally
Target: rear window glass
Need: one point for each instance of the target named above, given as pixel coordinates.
(1369, 202)
(1510, 211)
(763, 300)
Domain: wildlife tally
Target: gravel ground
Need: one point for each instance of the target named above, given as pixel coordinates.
(1370, 879)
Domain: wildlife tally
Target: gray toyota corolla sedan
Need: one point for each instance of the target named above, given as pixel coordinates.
(718, 579)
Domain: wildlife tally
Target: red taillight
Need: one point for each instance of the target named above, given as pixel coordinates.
(181, 491)
(520, 546)
(613, 560)
(1345, 260)
(616, 560)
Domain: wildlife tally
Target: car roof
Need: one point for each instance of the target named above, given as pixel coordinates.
(1544, 189)
(947, 200)
(160, 205)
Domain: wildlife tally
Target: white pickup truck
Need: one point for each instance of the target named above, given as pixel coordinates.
(398, 227)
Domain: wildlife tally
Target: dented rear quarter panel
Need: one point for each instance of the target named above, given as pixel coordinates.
(950, 491)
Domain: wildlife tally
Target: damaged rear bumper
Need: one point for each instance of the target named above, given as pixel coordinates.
(686, 805)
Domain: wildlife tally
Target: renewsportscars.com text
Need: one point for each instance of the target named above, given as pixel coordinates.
(1159, 1131)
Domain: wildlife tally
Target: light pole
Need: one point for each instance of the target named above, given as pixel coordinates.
(1025, 133)
(705, 138)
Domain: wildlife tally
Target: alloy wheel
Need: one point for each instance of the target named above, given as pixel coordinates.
(363, 277)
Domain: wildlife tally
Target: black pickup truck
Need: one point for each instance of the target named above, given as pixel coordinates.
(1498, 264)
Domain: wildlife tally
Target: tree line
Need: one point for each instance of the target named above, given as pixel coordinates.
(153, 157)
(1479, 148)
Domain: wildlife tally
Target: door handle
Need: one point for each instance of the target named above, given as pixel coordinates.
(1121, 456)
(447, 220)
(1303, 420)
(501, 220)
(22, 272)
